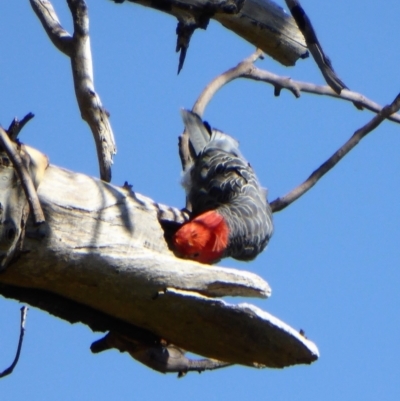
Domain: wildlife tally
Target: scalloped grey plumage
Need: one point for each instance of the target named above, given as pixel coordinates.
(221, 179)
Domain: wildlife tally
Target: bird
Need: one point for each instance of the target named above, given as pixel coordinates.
(230, 215)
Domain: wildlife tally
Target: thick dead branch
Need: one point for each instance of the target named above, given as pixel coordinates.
(280, 203)
(10, 369)
(21, 169)
(119, 264)
(77, 47)
(74, 312)
(141, 344)
(261, 22)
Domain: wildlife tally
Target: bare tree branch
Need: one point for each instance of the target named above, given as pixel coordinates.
(9, 370)
(162, 357)
(280, 203)
(296, 87)
(77, 47)
(56, 33)
(141, 344)
(313, 44)
(210, 90)
(261, 22)
(120, 247)
(16, 126)
(247, 69)
(242, 69)
(23, 174)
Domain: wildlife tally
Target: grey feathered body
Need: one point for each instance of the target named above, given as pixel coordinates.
(221, 179)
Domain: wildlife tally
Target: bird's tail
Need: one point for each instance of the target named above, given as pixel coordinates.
(202, 137)
(198, 133)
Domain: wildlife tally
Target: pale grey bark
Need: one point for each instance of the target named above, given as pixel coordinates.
(101, 257)
(77, 48)
(104, 248)
(261, 22)
(16, 157)
(267, 26)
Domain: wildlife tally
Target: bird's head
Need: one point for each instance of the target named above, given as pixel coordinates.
(203, 239)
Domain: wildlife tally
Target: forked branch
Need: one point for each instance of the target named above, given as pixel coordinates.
(77, 47)
(281, 203)
(247, 69)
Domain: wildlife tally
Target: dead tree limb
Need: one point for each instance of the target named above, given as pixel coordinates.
(284, 201)
(77, 48)
(10, 369)
(261, 22)
(120, 265)
(141, 344)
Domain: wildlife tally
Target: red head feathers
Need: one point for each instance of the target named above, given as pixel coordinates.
(204, 239)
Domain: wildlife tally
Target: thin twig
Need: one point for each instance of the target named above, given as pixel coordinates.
(9, 370)
(24, 176)
(280, 203)
(16, 126)
(313, 44)
(77, 47)
(296, 87)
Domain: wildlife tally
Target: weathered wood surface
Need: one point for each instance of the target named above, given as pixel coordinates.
(105, 248)
(261, 22)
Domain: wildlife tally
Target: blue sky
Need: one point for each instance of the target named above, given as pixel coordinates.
(333, 263)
